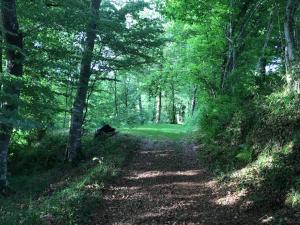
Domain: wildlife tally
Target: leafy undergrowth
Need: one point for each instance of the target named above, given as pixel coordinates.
(257, 151)
(50, 192)
(159, 131)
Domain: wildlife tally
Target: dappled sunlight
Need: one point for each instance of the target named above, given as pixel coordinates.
(188, 184)
(176, 184)
(163, 155)
(186, 173)
(121, 196)
(149, 215)
(168, 187)
(231, 198)
(148, 174)
(124, 188)
(153, 152)
(211, 184)
(145, 175)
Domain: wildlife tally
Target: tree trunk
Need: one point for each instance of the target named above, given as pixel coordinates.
(126, 95)
(1, 59)
(194, 100)
(262, 63)
(158, 107)
(236, 34)
(14, 45)
(86, 106)
(142, 119)
(153, 109)
(151, 105)
(291, 48)
(230, 58)
(68, 96)
(1, 52)
(173, 110)
(115, 96)
(74, 142)
(262, 66)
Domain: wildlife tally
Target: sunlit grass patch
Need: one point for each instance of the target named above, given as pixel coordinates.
(159, 131)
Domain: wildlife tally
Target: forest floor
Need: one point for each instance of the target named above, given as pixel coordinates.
(165, 184)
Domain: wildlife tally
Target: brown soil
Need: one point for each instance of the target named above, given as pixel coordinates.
(165, 184)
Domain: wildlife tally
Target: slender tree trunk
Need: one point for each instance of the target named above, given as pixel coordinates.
(291, 48)
(262, 66)
(173, 110)
(236, 34)
(154, 110)
(141, 109)
(194, 100)
(151, 105)
(289, 28)
(230, 58)
(68, 95)
(126, 98)
(116, 96)
(158, 107)
(181, 114)
(1, 52)
(86, 106)
(74, 142)
(14, 45)
(263, 60)
(1, 59)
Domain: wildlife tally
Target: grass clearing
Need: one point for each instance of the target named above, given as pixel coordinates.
(158, 131)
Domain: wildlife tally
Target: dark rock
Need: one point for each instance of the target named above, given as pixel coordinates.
(106, 130)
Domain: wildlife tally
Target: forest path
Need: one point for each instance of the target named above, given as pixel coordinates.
(164, 184)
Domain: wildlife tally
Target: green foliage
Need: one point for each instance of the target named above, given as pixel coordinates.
(245, 154)
(36, 95)
(293, 199)
(58, 193)
(205, 55)
(261, 150)
(41, 155)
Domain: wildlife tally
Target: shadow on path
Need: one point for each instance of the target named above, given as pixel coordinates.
(165, 185)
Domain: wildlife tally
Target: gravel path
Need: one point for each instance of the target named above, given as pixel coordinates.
(165, 184)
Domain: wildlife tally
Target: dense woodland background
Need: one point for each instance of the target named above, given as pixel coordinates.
(225, 68)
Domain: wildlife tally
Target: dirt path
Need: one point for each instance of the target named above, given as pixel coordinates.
(165, 185)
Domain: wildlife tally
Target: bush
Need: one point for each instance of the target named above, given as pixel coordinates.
(57, 193)
(41, 155)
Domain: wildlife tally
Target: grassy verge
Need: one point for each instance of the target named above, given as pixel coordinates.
(50, 192)
(256, 149)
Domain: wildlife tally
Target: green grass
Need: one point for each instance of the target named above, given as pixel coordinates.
(158, 131)
(63, 194)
